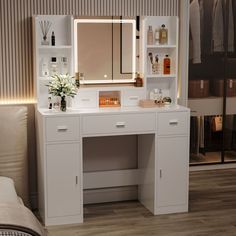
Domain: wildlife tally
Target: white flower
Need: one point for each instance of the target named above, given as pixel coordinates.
(62, 85)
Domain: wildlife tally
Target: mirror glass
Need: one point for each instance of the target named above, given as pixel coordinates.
(105, 50)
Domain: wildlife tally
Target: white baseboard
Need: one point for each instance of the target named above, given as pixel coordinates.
(110, 194)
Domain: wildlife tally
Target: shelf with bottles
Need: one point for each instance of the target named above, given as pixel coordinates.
(160, 55)
(53, 31)
(51, 65)
(161, 64)
(161, 32)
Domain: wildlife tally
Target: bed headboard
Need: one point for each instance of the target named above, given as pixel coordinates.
(13, 147)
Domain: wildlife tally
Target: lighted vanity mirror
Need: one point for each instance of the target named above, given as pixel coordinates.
(105, 50)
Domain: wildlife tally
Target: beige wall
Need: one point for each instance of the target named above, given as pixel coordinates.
(16, 56)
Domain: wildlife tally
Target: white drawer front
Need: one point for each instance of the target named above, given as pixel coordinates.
(62, 128)
(125, 123)
(132, 97)
(87, 99)
(173, 123)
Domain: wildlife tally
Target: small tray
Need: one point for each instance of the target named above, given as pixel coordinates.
(148, 103)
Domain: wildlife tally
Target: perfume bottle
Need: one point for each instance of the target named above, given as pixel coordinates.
(157, 37)
(53, 66)
(49, 102)
(163, 35)
(149, 35)
(156, 67)
(77, 79)
(64, 65)
(166, 65)
(138, 80)
(53, 40)
(44, 68)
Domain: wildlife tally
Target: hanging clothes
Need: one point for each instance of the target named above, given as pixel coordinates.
(218, 27)
(231, 28)
(206, 25)
(195, 40)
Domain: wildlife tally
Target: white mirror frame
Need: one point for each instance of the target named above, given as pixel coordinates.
(120, 21)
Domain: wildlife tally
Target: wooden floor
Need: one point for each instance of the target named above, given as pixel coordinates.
(212, 211)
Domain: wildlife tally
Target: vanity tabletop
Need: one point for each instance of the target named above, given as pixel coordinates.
(115, 110)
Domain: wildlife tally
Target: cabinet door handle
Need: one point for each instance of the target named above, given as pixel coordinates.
(173, 122)
(62, 128)
(120, 124)
(76, 180)
(133, 98)
(160, 173)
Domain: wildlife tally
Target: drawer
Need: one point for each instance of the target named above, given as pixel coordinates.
(85, 99)
(173, 123)
(62, 128)
(132, 97)
(120, 123)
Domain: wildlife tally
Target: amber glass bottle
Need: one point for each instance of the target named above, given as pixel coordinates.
(163, 35)
(166, 65)
(138, 80)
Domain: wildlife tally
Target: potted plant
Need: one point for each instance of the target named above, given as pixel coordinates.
(62, 86)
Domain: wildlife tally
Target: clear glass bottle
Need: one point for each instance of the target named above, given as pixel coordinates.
(54, 66)
(44, 72)
(64, 65)
(163, 35)
(157, 37)
(149, 35)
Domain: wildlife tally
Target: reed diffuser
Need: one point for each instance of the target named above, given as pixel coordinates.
(45, 26)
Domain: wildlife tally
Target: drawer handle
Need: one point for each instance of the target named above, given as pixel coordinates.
(62, 128)
(85, 99)
(173, 122)
(120, 124)
(133, 98)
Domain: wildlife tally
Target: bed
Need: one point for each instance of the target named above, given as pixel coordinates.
(15, 218)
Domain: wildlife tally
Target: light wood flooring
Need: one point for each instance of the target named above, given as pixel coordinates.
(212, 211)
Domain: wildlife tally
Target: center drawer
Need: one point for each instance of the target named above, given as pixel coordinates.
(125, 123)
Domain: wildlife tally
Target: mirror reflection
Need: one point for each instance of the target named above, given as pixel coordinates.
(105, 50)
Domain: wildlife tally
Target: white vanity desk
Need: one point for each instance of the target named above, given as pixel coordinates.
(163, 158)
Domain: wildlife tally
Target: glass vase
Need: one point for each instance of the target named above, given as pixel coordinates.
(63, 104)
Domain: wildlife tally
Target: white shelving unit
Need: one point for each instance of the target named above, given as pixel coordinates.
(166, 82)
(63, 28)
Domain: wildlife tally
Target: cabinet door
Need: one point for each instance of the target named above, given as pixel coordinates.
(62, 178)
(172, 174)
